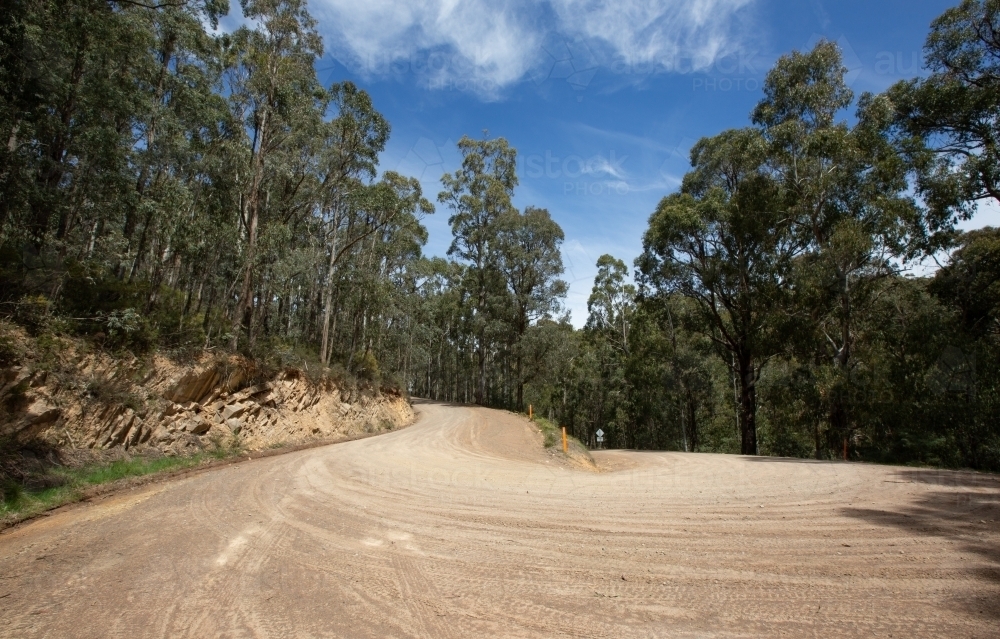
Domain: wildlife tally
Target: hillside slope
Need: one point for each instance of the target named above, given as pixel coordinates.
(62, 395)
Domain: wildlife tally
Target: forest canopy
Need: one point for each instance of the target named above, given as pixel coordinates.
(167, 187)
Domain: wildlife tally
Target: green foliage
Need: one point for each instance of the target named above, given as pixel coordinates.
(11, 353)
(11, 495)
(550, 432)
(55, 485)
(34, 313)
(726, 241)
(365, 366)
(947, 122)
(971, 282)
(166, 187)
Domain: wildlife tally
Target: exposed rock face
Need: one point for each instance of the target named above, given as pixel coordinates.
(40, 412)
(184, 409)
(38, 415)
(233, 411)
(194, 387)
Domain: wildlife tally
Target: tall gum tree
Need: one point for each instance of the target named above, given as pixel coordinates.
(847, 194)
(948, 123)
(355, 137)
(531, 263)
(611, 318)
(725, 241)
(479, 194)
(273, 88)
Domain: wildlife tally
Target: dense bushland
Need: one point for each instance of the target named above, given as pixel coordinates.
(166, 187)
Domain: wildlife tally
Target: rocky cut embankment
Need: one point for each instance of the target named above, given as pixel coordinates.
(73, 400)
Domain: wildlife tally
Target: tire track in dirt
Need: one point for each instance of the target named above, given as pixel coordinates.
(464, 525)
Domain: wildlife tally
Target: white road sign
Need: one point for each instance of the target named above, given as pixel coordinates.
(599, 433)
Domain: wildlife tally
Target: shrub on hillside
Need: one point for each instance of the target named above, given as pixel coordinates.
(10, 351)
(365, 366)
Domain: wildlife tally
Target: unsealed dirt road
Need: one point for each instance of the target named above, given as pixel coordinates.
(464, 526)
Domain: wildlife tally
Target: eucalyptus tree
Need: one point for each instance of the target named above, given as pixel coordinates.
(966, 375)
(726, 242)
(387, 237)
(549, 349)
(685, 359)
(531, 263)
(106, 110)
(611, 305)
(74, 89)
(611, 310)
(848, 193)
(180, 118)
(948, 123)
(354, 139)
(272, 86)
(970, 282)
(59, 100)
(479, 195)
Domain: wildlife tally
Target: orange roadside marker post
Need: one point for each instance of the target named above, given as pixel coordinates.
(531, 413)
(565, 445)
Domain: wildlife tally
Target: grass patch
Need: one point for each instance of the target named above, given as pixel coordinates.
(550, 432)
(552, 436)
(64, 485)
(136, 467)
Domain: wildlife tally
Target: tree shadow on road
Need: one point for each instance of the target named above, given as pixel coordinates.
(966, 510)
(792, 460)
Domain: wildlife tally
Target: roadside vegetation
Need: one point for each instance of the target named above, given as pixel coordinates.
(39, 484)
(166, 188)
(551, 434)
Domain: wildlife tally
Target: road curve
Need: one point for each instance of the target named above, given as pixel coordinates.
(463, 525)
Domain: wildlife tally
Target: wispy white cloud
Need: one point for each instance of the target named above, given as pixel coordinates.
(600, 165)
(617, 139)
(672, 34)
(484, 46)
(481, 45)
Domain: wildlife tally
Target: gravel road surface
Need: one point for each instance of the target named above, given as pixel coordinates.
(463, 525)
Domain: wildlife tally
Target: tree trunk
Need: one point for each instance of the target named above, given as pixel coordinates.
(481, 382)
(692, 407)
(684, 434)
(328, 295)
(839, 402)
(748, 405)
(244, 309)
(49, 178)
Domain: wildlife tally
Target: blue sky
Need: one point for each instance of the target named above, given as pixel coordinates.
(602, 100)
